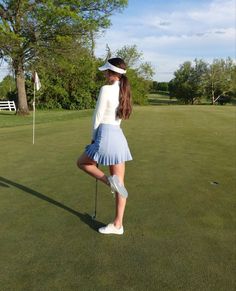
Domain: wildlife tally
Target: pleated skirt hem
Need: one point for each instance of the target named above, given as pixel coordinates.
(110, 146)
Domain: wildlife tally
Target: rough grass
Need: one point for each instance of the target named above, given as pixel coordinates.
(179, 225)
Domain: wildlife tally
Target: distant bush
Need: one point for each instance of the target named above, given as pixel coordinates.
(159, 87)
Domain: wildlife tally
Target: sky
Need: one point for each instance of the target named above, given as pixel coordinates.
(170, 32)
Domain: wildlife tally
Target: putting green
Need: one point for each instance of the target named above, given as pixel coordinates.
(180, 216)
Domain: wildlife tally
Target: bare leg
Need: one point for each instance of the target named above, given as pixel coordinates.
(119, 170)
(89, 166)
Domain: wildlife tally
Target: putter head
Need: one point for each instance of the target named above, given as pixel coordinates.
(93, 216)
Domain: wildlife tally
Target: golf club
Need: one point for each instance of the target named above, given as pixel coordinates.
(96, 195)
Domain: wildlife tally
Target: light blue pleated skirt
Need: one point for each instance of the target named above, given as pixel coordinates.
(110, 146)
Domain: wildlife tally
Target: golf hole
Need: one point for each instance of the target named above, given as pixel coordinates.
(214, 183)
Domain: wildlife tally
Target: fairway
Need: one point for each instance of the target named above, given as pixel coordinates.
(180, 216)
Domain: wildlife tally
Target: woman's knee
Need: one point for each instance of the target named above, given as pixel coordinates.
(79, 164)
(84, 161)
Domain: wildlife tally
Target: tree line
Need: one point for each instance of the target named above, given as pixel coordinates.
(215, 82)
(194, 81)
(57, 39)
(72, 81)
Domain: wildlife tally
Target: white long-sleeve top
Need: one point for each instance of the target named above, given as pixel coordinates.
(106, 107)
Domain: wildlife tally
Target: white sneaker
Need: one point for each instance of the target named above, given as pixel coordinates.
(116, 186)
(111, 229)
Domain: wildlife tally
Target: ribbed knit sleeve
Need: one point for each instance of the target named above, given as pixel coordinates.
(99, 110)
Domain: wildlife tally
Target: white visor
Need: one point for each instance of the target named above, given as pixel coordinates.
(109, 66)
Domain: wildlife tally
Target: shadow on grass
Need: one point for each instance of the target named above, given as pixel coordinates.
(86, 218)
(4, 185)
(3, 112)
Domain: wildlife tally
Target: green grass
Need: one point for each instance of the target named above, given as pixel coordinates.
(161, 99)
(179, 227)
(164, 99)
(9, 119)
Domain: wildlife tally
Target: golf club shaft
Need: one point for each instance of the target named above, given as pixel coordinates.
(96, 196)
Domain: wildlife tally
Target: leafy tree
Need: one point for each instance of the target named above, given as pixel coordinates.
(139, 74)
(180, 87)
(28, 25)
(187, 84)
(130, 55)
(68, 78)
(154, 86)
(7, 87)
(146, 71)
(214, 81)
(139, 86)
(160, 86)
(220, 79)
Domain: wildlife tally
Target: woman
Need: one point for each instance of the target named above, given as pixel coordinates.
(109, 146)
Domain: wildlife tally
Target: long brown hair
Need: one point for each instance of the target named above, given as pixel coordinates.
(125, 101)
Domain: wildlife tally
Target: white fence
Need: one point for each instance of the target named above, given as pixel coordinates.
(7, 105)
